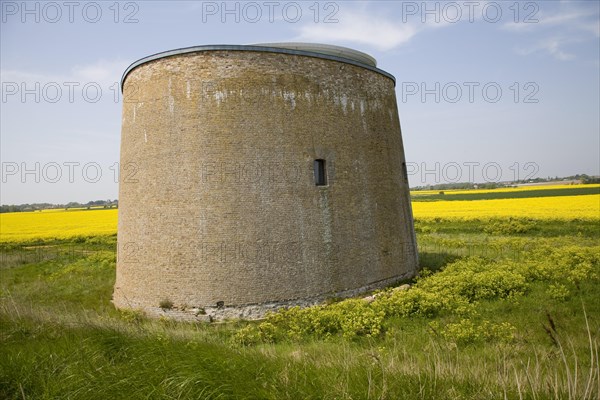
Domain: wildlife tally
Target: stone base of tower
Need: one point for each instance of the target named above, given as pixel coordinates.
(192, 313)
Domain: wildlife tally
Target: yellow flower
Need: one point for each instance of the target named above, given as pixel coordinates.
(56, 224)
(556, 207)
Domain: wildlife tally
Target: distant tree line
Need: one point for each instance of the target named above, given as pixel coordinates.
(48, 206)
(460, 185)
(583, 178)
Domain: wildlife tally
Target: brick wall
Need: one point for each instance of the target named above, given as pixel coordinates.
(217, 197)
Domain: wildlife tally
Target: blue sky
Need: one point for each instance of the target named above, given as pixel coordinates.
(486, 90)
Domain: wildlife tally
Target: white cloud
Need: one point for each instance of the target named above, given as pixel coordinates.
(591, 26)
(12, 75)
(359, 24)
(355, 28)
(103, 72)
(552, 46)
(555, 31)
(544, 20)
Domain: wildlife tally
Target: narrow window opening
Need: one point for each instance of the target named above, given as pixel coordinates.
(320, 173)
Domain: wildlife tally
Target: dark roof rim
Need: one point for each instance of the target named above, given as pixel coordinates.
(194, 49)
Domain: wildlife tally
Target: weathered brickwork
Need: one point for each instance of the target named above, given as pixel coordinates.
(217, 198)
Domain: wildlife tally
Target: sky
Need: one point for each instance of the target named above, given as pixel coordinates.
(487, 91)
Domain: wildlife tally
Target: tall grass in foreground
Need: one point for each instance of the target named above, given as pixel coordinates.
(501, 327)
(95, 358)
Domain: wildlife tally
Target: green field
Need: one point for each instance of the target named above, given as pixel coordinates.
(493, 195)
(504, 308)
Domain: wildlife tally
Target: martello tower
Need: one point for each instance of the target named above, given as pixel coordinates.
(259, 176)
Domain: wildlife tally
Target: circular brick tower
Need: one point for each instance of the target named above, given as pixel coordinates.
(255, 177)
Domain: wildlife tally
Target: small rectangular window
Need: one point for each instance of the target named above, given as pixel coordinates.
(320, 173)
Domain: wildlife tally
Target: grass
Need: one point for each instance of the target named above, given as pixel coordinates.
(516, 194)
(513, 189)
(61, 338)
(504, 308)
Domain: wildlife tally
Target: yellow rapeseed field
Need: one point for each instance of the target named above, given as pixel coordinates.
(60, 224)
(25, 226)
(555, 207)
